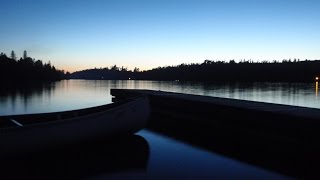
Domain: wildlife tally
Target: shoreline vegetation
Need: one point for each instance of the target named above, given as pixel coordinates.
(27, 69)
(216, 71)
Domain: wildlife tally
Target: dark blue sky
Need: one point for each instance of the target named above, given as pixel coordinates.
(78, 34)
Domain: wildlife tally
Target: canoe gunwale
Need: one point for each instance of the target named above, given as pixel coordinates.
(36, 119)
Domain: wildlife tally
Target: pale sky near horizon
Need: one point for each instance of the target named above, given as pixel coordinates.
(83, 34)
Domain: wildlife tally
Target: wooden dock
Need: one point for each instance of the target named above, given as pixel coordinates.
(280, 137)
(282, 122)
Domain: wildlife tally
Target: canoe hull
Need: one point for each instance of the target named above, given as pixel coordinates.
(124, 119)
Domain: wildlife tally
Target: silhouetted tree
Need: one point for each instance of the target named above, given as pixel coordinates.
(123, 68)
(136, 70)
(13, 55)
(25, 56)
(232, 62)
(114, 68)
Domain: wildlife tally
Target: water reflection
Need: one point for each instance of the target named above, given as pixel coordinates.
(179, 160)
(75, 94)
(317, 85)
(103, 158)
(234, 140)
(21, 96)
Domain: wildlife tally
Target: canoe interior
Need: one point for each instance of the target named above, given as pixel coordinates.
(28, 119)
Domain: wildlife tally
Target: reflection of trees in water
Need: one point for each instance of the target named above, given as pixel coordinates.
(253, 91)
(25, 91)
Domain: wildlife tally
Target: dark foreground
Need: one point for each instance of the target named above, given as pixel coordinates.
(186, 140)
(146, 155)
(101, 157)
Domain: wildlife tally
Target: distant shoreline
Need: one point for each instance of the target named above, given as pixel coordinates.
(209, 71)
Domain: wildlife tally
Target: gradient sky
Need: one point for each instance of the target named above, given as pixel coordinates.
(81, 34)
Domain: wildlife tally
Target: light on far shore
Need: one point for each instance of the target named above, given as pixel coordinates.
(317, 78)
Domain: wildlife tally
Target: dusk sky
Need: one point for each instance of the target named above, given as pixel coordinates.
(82, 34)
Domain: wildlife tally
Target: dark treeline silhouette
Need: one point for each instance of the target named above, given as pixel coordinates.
(26, 69)
(220, 71)
(112, 73)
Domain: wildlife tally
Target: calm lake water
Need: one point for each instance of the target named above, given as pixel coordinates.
(166, 157)
(75, 94)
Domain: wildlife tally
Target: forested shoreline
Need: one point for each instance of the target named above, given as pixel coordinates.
(26, 69)
(219, 71)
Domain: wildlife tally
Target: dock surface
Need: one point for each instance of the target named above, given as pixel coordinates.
(282, 138)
